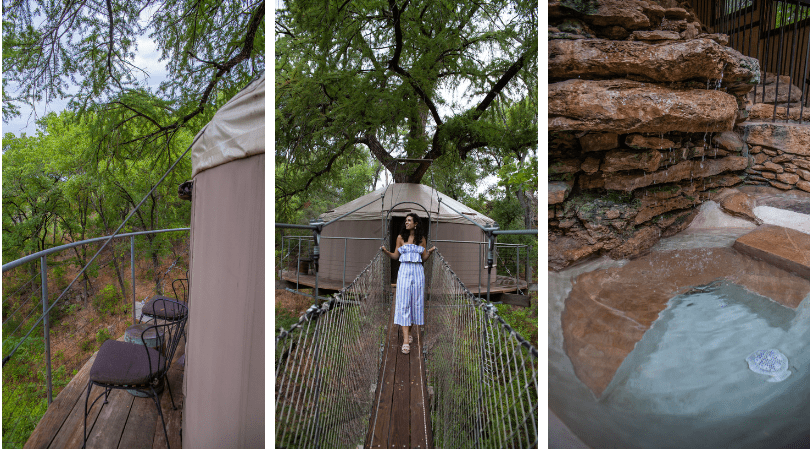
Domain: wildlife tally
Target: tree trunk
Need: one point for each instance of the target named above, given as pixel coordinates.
(527, 208)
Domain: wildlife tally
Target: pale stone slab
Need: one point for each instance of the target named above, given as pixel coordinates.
(782, 247)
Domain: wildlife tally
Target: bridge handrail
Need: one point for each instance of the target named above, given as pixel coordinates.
(315, 311)
(489, 308)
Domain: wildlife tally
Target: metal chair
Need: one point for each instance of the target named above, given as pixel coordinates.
(125, 365)
(149, 309)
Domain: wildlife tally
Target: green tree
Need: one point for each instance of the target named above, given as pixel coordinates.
(83, 52)
(402, 79)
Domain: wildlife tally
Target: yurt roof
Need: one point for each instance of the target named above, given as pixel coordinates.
(236, 131)
(410, 192)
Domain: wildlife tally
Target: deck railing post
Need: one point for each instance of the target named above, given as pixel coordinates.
(281, 262)
(480, 256)
(46, 325)
(528, 267)
(517, 268)
(344, 262)
(132, 266)
(490, 255)
(316, 250)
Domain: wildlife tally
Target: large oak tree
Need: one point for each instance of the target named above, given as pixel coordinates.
(409, 81)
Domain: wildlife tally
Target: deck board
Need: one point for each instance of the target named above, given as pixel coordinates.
(60, 409)
(125, 421)
(399, 416)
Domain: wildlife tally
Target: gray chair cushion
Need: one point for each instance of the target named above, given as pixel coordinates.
(162, 310)
(124, 363)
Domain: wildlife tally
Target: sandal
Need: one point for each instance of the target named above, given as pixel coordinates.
(410, 339)
(406, 348)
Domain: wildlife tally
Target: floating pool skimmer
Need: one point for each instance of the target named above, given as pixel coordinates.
(769, 362)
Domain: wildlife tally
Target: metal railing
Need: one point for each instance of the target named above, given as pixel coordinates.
(18, 343)
(297, 246)
(777, 33)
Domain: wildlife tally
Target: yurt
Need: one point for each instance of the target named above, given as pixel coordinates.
(458, 239)
(224, 370)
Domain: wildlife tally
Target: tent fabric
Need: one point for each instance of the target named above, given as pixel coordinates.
(236, 131)
(225, 354)
(343, 258)
(408, 192)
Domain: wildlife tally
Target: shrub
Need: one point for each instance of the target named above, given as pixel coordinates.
(102, 335)
(87, 345)
(107, 300)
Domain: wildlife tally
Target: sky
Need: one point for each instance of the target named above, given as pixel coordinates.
(146, 57)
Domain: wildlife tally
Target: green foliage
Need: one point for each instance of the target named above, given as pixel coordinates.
(522, 320)
(25, 390)
(413, 79)
(787, 14)
(108, 300)
(55, 50)
(102, 335)
(284, 319)
(87, 345)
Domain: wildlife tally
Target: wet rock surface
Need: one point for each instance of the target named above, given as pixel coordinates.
(784, 137)
(625, 106)
(608, 311)
(782, 247)
(699, 60)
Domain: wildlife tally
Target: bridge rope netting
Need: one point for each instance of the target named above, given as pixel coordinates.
(327, 365)
(483, 373)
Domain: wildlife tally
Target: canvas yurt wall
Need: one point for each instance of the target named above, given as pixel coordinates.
(224, 375)
(368, 223)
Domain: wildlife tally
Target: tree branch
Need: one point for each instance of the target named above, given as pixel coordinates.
(393, 64)
(498, 87)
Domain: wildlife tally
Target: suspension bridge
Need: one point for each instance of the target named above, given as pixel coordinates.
(470, 380)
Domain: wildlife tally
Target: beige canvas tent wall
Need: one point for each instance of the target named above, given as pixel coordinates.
(224, 373)
(464, 258)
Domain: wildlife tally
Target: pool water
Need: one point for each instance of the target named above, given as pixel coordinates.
(687, 383)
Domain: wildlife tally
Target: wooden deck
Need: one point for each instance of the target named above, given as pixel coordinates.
(125, 422)
(500, 285)
(401, 414)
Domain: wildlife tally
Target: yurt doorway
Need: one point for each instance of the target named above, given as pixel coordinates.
(396, 224)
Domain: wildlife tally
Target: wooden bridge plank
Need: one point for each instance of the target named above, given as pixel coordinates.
(60, 409)
(417, 407)
(400, 419)
(381, 418)
(110, 423)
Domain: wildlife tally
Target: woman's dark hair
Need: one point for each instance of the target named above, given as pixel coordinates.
(418, 233)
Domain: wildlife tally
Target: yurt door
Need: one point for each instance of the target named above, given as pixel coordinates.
(394, 227)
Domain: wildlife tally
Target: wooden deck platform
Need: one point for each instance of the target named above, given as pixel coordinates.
(125, 421)
(401, 414)
(501, 285)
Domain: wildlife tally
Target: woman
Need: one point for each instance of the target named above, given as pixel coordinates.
(410, 251)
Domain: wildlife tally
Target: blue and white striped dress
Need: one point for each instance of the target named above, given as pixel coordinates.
(410, 306)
